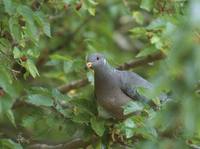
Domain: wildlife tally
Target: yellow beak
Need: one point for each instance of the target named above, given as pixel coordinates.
(89, 65)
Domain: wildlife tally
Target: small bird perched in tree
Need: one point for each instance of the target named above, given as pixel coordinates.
(115, 88)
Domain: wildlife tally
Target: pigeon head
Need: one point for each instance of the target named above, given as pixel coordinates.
(95, 60)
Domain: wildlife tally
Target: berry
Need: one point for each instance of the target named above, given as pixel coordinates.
(78, 6)
(66, 6)
(23, 58)
(2, 93)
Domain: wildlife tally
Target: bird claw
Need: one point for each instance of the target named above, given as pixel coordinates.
(116, 136)
(113, 137)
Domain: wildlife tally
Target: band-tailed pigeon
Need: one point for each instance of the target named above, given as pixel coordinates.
(115, 88)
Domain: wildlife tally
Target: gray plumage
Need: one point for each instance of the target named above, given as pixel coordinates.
(114, 88)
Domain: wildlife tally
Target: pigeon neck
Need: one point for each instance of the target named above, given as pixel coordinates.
(104, 70)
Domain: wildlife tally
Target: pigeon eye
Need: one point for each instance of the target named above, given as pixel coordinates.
(97, 58)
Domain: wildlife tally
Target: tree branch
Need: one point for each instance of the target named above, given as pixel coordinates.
(142, 61)
(73, 85)
(74, 144)
(128, 65)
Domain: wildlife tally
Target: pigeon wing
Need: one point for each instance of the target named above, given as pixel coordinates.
(130, 82)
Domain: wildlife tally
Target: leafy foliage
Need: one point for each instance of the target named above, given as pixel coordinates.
(43, 44)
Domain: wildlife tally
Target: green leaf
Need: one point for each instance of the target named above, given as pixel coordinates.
(92, 11)
(39, 90)
(31, 28)
(43, 22)
(67, 67)
(26, 12)
(78, 64)
(9, 144)
(4, 44)
(14, 28)
(131, 107)
(5, 75)
(46, 29)
(138, 31)
(127, 127)
(9, 6)
(17, 53)
(155, 39)
(194, 11)
(90, 6)
(58, 96)
(129, 132)
(28, 121)
(32, 31)
(157, 42)
(11, 117)
(156, 101)
(40, 100)
(92, 2)
(97, 125)
(90, 76)
(6, 82)
(147, 4)
(159, 23)
(60, 57)
(81, 118)
(68, 1)
(6, 114)
(129, 123)
(103, 113)
(35, 53)
(139, 18)
(147, 51)
(6, 103)
(30, 66)
(84, 106)
(143, 91)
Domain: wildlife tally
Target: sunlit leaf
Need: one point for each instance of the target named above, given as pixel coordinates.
(129, 123)
(138, 17)
(16, 52)
(138, 32)
(146, 51)
(30, 66)
(60, 57)
(93, 2)
(131, 107)
(92, 11)
(157, 41)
